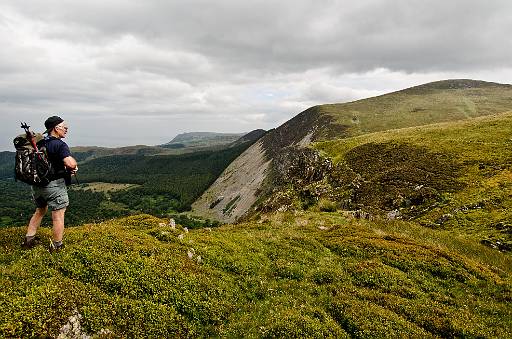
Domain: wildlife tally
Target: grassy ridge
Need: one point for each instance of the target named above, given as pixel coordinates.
(283, 275)
(481, 150)
(440, 101)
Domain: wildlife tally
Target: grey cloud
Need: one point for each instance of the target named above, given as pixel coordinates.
(296, 35)
(230, 65)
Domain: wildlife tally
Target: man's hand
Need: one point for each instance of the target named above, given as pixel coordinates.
(71, 164)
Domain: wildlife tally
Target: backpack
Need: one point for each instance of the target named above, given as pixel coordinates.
(32, 165)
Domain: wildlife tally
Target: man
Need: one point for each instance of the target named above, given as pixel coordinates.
(55, 194)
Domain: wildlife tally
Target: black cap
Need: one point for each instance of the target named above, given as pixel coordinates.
(51, 122)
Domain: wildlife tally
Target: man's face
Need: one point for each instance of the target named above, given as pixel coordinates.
(61, 129)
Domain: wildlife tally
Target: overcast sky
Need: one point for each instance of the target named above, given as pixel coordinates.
(127, 72)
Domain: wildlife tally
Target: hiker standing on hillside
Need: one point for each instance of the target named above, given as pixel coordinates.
(55, 194)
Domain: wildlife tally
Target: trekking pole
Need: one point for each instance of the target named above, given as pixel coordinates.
(32, 139)
(29, 134)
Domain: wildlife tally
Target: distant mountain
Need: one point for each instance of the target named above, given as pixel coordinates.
(160, 180)
(182, 143)
(251, 176)
(202, 139)
(123, 184)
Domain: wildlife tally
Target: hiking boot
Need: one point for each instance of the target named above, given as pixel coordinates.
(28, 244)
(55, 248)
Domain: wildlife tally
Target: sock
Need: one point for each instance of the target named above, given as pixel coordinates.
(57, 244)
(30, 237)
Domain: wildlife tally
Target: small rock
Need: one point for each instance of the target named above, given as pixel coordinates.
(499, 225)
(181, 236)
(393, 214)
(73, 329)
(172, 223)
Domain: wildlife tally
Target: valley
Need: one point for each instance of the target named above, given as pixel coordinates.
(116, 185)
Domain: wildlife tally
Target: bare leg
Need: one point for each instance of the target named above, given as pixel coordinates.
(35, 221)
(58, 224)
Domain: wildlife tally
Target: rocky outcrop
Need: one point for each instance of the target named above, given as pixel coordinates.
(251, 176)
(387, 180)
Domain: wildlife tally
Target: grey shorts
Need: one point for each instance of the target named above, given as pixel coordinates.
(53, 195)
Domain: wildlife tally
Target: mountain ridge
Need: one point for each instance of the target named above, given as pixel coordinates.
(446, 100)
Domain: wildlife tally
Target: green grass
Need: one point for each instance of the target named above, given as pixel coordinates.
(280, 275)
(440, 101)
(467, 165)
(104, 187)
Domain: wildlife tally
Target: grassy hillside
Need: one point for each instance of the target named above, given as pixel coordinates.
(454, 176)
(416, 244)
(440, 101)
(282, 275)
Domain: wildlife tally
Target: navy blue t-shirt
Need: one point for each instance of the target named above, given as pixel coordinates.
(58, 150)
